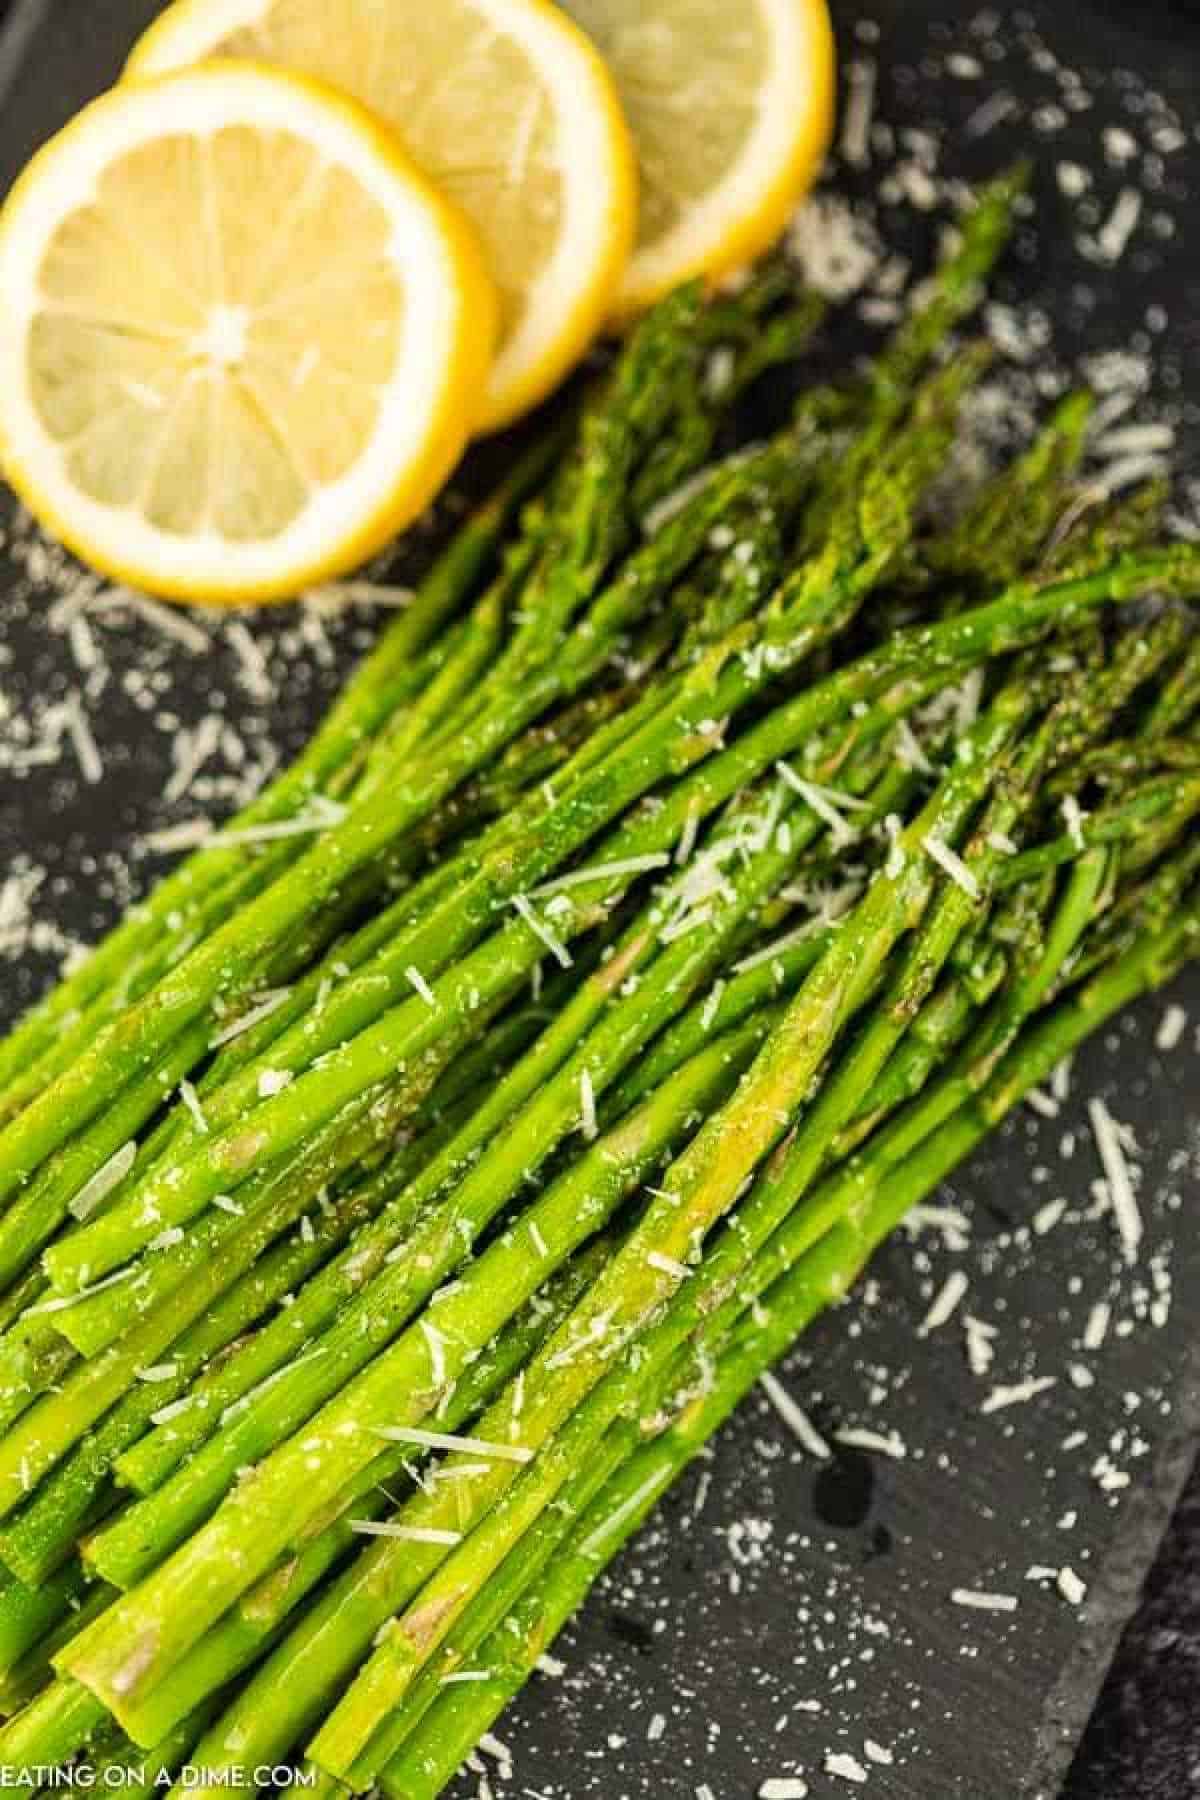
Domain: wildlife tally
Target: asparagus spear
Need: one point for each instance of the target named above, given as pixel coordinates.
(589, 527)
(345, 1733)
(625, 1295)
(384, 681)
(463, 1713)
(65, 1716)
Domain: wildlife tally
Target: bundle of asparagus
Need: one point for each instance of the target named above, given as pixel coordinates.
(364, 1287)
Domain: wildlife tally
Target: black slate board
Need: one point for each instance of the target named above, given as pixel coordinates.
(768, 1584)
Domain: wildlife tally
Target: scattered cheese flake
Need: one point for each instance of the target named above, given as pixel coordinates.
(783, 1787)
(62, 1301)
(945, 1302)
(1072, 1589)
(772, 951)
(84, 744)
(109, 1176)
(667, 1265)
(882, 1443)
(712, 1005)
(1018, 1393)
(411, 1534)
(541, 930)
(1074, 815)
(893, 826)
(837, 251)
(909, 750)
(860, 104)
(794, 1417)
(270, 1003)
(688, 836)
(191, 1100)
(953, 864)
(1096, 1329)
(587, 1107)
(984, 1602)
(322, 815)
(878, 1753)
(632, 1504)
(255, 673)
(632, 865)
(437, 1351)
(1116, 1170)
(1116, 233)
(828, 804)
(1135, 440)
(447, 1440)
(1060, 1081)
(845, 1766)
(418, 982)
(979, 1341)
(1048, 1216)
(158, 1372)
(1171, 1029)
(273, 1081)
(172, 1410)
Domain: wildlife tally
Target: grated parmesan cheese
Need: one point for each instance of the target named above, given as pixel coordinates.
(1019, 1393)
(881, 1443)
(109, 1176)
(945, 1303)
(794, 1417)
(845, 1767)
(667, 1265)
(1171, 1029)
(632, 865)
(541, 930)
(1116, 1170)
(1072, 1589)
(420, 986)
(984, 1602)
(270, 1003)
(860, 104)
(409, 1534)
(448, 1440)
(587, 1107)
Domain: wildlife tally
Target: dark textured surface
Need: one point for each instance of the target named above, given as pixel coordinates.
(1143, 1742)
(766, 1584)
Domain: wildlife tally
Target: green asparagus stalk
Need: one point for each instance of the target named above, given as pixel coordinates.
(338, 1745)
(64, 1717)
(630, 1290)
(462, 1714)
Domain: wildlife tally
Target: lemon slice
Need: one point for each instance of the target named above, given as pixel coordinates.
(244, 338)
(506, 105)
(731, 107)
